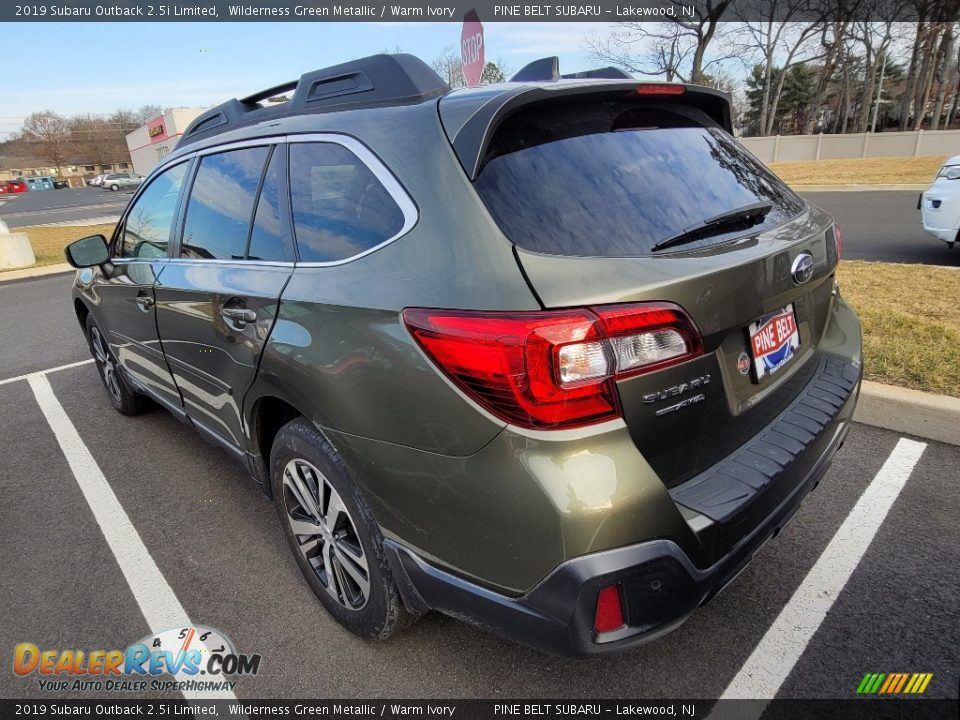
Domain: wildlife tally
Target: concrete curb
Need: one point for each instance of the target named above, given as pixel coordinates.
(33, 272)
(856, 188)
(926, 415)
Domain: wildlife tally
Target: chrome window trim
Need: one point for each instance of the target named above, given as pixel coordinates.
(411, 214)
(223, 261)
(198, 261)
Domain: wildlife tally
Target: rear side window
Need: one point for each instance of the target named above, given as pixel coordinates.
(221, 204)
(340, 208)
(610, 179)
(146, 231)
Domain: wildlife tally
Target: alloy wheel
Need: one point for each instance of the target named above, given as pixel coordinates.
(108, 368)
(326, 534)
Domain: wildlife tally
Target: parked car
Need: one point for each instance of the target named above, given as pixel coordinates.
(95, 180)
(555, 357)
(120, 181)
(15, 186)
(939, 205)
(59, 184)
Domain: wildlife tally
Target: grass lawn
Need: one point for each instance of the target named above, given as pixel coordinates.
(48, 242)
(868, 171)
(911, 323)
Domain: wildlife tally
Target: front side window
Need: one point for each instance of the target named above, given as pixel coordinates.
(221, 204)
(340, 208)
(146, 231)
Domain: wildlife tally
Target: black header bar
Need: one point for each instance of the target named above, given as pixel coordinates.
(850, 709)
(452, 11)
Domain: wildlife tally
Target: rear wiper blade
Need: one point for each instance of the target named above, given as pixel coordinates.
(754, 211)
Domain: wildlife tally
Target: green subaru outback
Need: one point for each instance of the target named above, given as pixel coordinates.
(554, 356)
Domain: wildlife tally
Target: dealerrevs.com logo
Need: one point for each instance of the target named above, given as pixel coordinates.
(199, 659)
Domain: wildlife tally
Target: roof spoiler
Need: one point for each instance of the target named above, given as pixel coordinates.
(548, 70)
(471, 128)
(375, 80)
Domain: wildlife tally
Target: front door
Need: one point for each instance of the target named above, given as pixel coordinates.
(126, 287)
(216, 302)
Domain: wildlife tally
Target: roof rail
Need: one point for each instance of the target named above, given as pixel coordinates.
(377, 80)
(548, 70)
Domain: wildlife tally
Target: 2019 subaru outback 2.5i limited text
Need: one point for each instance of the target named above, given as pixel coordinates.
(555, 356)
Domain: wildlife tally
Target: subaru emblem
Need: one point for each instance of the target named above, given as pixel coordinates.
(802, 268)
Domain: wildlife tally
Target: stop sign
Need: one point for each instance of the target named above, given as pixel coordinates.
(471, 49)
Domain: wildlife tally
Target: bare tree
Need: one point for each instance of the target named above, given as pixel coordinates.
(676, 50)
(875, 38)
(449, 66)
(780, 43)
(48, 135)
(945, 72)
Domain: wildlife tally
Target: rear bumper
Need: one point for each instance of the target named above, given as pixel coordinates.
(660, 584)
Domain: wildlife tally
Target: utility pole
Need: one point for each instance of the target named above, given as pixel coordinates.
(876, 105)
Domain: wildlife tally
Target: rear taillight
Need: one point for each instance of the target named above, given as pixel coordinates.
(838, 240)
(555, 368)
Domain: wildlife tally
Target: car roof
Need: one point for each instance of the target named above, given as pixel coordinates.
(385, 81)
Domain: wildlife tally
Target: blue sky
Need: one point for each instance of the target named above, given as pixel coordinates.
(201, 64)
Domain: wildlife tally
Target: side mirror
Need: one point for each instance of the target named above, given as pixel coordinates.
(88, 252)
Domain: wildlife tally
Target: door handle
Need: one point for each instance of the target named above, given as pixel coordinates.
(145, 302)
(239, 316)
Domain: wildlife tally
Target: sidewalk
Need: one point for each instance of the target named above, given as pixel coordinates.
(32, 272)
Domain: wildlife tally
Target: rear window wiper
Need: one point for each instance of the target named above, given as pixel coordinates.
(755, 212)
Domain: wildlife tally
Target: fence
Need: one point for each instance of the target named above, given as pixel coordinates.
(799, 148)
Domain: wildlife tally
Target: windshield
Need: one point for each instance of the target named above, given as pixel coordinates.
(611, 180)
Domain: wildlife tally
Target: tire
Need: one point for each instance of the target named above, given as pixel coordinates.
(114, 188)
(123, 399)
(341, 539)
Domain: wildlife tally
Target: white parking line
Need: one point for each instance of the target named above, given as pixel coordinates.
(86, 222)
(44, 372)
(775, 656)
(158, 603)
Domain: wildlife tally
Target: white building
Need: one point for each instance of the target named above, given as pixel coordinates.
(149, 143)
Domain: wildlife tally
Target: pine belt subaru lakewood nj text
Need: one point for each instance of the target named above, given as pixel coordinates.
(554, 356)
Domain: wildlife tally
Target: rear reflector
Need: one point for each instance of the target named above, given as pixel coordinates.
(555, 368)
(660, 89)
(609, 610)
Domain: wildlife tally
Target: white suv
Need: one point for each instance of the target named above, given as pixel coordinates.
(940, 204)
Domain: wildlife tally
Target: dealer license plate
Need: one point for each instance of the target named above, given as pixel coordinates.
(774, 339)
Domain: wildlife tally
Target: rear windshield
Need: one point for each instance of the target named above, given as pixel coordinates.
(611, 179)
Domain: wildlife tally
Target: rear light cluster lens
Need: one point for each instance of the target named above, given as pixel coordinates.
(553, 369)
(609, 614)
(660, 89)
(838, 240)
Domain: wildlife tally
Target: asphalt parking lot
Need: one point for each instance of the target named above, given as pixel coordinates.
(219, 546)
(63, 206)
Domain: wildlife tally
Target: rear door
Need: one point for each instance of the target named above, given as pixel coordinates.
(624, 201)
(217, 298)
